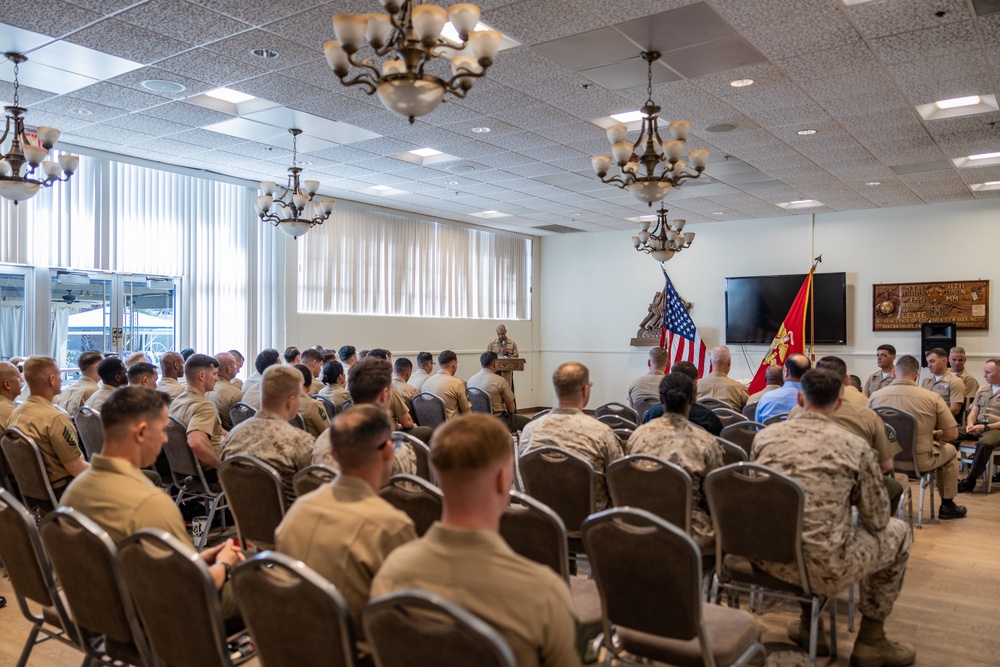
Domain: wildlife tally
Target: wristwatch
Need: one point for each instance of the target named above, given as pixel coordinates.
(229, 570)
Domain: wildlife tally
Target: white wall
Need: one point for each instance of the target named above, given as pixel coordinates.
(596, 288)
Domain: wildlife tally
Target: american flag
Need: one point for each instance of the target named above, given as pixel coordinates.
(679, 337)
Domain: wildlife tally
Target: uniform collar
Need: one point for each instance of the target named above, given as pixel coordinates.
(118, 466)
(196, 392)
(350, 488)
(463, 538)
(909, 382)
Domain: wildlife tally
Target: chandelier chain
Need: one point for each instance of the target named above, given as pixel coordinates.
(17, 85)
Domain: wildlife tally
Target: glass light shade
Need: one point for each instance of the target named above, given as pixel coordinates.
(635, 241)
(671, 235)
(657, 146)
(18, 190)
(69, 163)
(601, 164)
(675, 149)
(460, 64)
(679, 224)
(268, 187)
(621, 151)
(649, 192)
(617, 133)
(679, 166)
(336, 57)
(6, 169)
(393, 67)
(350, 29)
(327, 205)
(464, 16)
(680, 129)
(699, 157)
(265, 201)
(34, 154)
(310, 187)
(410, 98)
(391, 6)
(300, 201)
(662, 255)
(428, 21)
(631, 168)
(379, 28)
(688, 237)
(485, 43)
(51, 169)
(644, 225)
(47, 136)
(294, 228)
(643, 236)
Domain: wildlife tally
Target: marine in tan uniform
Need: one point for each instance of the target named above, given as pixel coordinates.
(935, 426)
(240, 360)
(648, 384)
(10, 388)
(447, 387)
(49, 426)
(225, 394)
(198, 414)
(142, 374)
(171, 368)
(502, 346)
(943, 383)
(956, 361)
(983, 423)
(313, 360)
(76, 394)
(501, 395)
(718, 385)
(832, 465)
(402, 370)
(266, 359)
(313, 412)
(333, 381)
(425, 364)
(344, 530)
(885, 357)
(268, 435)
(371, 382)
(675, 439)
(568, 428)
(113, 375)
(774, 377)
(854, 396)
(464, 559)
(115, 494)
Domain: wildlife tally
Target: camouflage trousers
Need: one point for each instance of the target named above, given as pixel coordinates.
(877, 559)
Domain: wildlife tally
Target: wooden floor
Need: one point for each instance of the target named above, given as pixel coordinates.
(948, 608)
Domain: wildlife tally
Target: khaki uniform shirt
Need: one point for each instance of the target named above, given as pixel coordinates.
(718, 385)
(509, 350)
(6, 408)
(418, 378)
(252, 397)
(572, 430)
(755, 397)
(853, 396)
(344, 531)
(198, 413)
(449, 389)
(406, 390)
(238, 383)
(949, 387)
(170, 386)
(988, 404)
(926, 407)
(674, 438)
(96, 400)
(120, 499)
(336, 394)
(864, 423)
(877, 380)
(75, 395)
(403, 463)
(251, 382)
(494, 385)
(527, 603)
(314, 415)
(644, 385)
(53, 431)
(225, 396)
(275, 442)
(971, 383)
(837, 470)
(316, 386)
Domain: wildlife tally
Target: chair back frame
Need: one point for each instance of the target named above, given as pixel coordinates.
(183, 464)
(248, 482)
(742, 434)
(480, 401)
(643, 404)
(618, 421)
(420, 450)
(728, 416)
(572, 505)
(88, 425)
(731, 452)
(416, 497)
(328, 405)
(712, 403)
(905, 427)
(240, 412)
(428, 409)
(516, 524)
(312, 477)
(613, 408)
(28, 468)
(650, 483)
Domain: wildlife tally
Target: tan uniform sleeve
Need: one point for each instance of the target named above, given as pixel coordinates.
(160, 512)
(62, 438)
(205, 419)
(506, 395)
(462, 397)
(945, 419)
(513, 349)
(956, 392)
(562, 641)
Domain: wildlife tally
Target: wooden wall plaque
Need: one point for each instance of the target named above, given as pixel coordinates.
(905, 306)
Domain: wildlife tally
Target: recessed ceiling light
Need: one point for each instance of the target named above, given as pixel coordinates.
(381, 187)
(304, 163)
(161, 86)
(874, 183)
(984, 156)
(264, 53)
(81, 112)
(425, 152)
(451, 183)
(954, 102)
(481, 130)
(628, 116)
(741, 83)
(806, 132)
(716, 212)
(490, 214)
(800, 203)
(575, 215)
(227, 95)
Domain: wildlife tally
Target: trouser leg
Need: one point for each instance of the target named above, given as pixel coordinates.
(895, 491)
(947, 474)
(881, 587)
(984, 450)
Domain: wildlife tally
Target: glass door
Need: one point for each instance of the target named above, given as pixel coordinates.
(81, 315)
(147, 309)
(15, 301)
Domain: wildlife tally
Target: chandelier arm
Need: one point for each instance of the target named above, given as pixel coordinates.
(451, 86)
(359, 80)
(6, 131)
(616, 180)
(364, 63)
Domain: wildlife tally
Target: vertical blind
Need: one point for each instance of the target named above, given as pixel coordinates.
(372, 263)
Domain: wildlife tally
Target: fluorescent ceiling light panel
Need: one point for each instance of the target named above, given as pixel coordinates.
(227, 95)
(628, 117)
(800, 203)
(958, 106)
(449, 33)
(958, 102)
(642, 218)
(382, 191)
(426, 152)
(490, 214)
(424, 156)
(979, 160)
(988, 185)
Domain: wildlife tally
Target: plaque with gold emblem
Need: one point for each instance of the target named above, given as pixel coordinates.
(905, 306)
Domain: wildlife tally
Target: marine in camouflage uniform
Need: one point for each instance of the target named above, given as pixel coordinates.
(572, 430)
(275, 442)
(675, 439)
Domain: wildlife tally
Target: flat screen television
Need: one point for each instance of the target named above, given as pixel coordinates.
(756, 306)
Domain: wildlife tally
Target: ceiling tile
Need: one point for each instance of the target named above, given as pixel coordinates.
(127, 41)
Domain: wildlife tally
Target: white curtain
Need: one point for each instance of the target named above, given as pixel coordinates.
(372, 263)
(59, 334)
(11, 330)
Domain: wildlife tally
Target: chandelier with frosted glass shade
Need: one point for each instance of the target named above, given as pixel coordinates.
(664, 240)
(293, 208)
(23, 167)
(409, 38)
(650, 167)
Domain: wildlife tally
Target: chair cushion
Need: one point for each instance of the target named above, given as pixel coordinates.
(587, 602)
(741, 570)
(729, 632)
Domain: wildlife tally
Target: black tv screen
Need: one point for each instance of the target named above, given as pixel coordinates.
(756, 306)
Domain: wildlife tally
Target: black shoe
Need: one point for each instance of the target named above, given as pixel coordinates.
(967, 485)
(952, 512)
(996, 478)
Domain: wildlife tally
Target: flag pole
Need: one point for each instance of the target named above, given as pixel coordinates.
(812, 306)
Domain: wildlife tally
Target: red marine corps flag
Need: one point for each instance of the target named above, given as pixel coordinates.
(791, 336)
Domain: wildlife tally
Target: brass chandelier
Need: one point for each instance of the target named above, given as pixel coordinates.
(19, 167)
(638, 162)
(664, 240)
(293, 211)
(412, 32)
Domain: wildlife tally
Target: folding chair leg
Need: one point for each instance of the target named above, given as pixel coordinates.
(28, 645)
(833, 629)
(932, 482)
(920, 504)
(208, 525)
(850, 608)
(814, 620)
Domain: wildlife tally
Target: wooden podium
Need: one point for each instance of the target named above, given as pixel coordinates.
(508, 364)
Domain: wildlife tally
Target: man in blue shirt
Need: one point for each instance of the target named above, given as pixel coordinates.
(783, 399)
